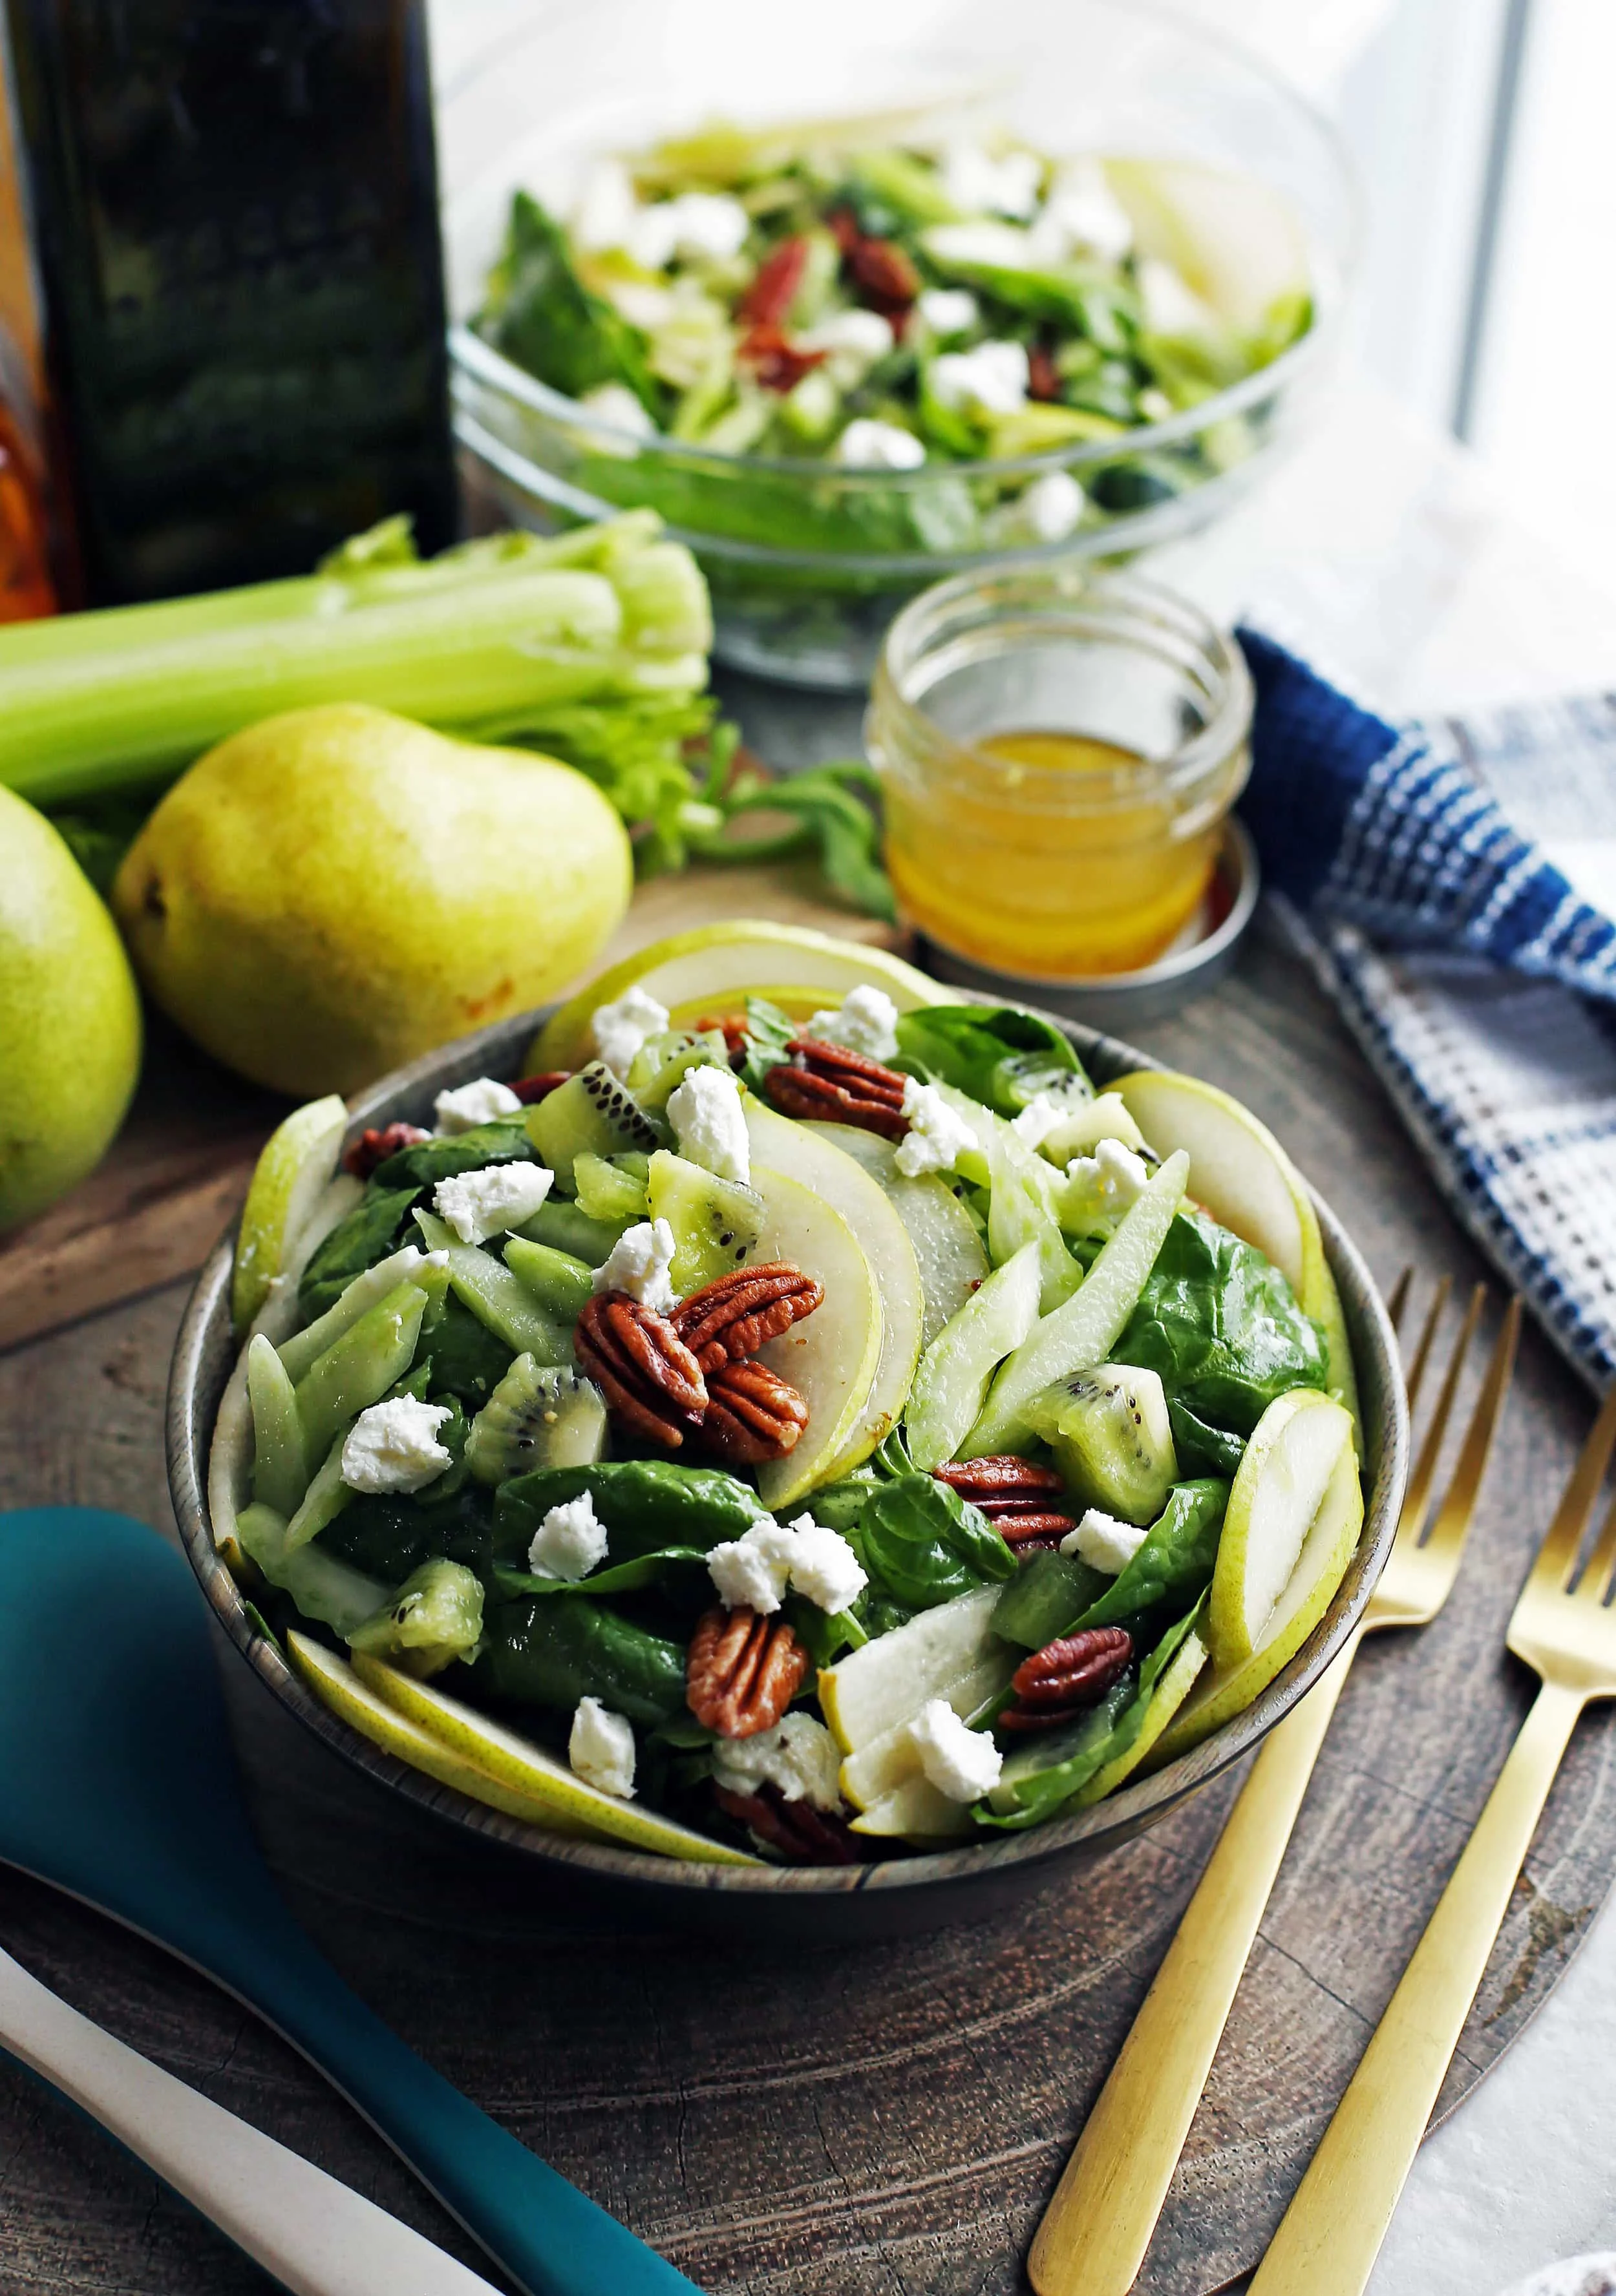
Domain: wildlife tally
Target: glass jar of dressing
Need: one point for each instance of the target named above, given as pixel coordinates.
(1058, 749)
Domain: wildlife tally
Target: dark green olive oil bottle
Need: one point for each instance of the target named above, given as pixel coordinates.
(234, 212)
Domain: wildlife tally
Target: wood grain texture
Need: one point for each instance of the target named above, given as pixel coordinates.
(891, 2120)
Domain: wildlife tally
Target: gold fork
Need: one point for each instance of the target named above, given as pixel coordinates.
(1565, 1631)
(1097, 2228)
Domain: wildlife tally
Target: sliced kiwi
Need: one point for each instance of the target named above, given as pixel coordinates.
(1108, 1429)
(591, 1113)
(609, 1190)
(434, 1618)
(663, 1062)
(716, 1223)
(536, 1417)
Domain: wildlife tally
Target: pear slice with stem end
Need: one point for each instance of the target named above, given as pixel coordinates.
(1245, 1178)
(826, 1170)
(946, 1400)
(717, 965)
(1081, 1332)
(948, 1249)
(1277, 1491)
(1224, 1691)
(516, 1762)
(293, 1170)
(832, 1357)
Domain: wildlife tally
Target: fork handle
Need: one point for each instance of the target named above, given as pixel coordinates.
(1097, 2228)
(1333, 2230)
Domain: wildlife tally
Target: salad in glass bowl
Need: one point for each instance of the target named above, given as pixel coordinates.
(767, 1429)
(1000, 288)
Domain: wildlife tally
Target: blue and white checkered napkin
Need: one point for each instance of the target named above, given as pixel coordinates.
(1480, 982)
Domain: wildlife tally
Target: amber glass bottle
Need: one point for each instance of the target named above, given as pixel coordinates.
(234, 206)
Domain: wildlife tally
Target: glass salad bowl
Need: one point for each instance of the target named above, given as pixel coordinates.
(765, 1902)
(1223, 172)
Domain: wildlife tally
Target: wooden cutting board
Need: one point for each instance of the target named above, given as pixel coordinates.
(179, 1168)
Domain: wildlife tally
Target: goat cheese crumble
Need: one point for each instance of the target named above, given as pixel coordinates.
(980, 185)
(480, 1102)
(600, 1748)
(394, 1447)
(709, 1124)
(852, 342)
(866, 1022)
(993, 377)
(867, 445)
(569, 1542)
(949, 310)
(1113, 1177)
(1049, 509)
(620, 1027)
(696, 224)
(798, 1756)
(961, 1763)
(1103, 1541)
(813, 1560)
(638, 1263)
(478, 1205)
(937, 1135)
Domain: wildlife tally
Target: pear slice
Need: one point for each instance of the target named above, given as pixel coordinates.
(882, 1764)
(1183, 1671)
(490, 1750)
(826, 1171)
(1245, 1178)
(917, 1811)
(1081, 1332)
(831, 1358)
(1227, 1689)
(1276, 1493)
(948, 1249)
(293, 1172)
(883, 1683)
(946, 1400)
(719, 965)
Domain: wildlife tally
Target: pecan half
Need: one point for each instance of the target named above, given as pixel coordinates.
(528, 1089)
(837, 1086)
(373, 1147)
(1015, 1497)
(776, 362)
(1043, 375)
(796, 1831)
(742, 1671)
(753, 1413)
(883, 275)
(641, 1366)
(734, 1315)
(1059, 1681)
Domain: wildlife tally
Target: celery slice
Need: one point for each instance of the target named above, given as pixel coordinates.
(280, 1474)
(360, 1367)
(497, 1298)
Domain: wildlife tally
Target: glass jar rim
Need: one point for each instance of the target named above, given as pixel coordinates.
(1118, 610)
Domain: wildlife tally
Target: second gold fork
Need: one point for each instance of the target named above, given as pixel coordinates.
(1097, 2228)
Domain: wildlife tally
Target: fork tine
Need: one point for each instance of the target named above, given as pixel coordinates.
(1599, 1572)
(1417, 1503)
(1557, 1555)
(1399, 1299)
(1458, 1505)
(1422, 1354)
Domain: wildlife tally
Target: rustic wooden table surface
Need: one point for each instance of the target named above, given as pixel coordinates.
(890, 2120)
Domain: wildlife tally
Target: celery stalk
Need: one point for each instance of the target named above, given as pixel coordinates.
(505, 631)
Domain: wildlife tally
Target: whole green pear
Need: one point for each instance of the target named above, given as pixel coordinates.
(335, 890)
(69, 1017)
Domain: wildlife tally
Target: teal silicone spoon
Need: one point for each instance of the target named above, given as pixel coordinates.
(119, 1787)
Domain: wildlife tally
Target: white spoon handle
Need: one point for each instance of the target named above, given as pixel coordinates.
(310, 2232)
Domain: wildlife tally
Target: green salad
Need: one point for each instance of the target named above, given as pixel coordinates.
(882, 305)
(785, 1428)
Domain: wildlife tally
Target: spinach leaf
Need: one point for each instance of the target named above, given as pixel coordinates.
(388, 1534)
(368, 1233)
(1039, 1779)
(648, 1505)
(466, 1360)
(832, 810)
(1211, 1449)
(768, 1034)
(662, 1566)
(1220, 1324)
(922, 1544)
(503, 1142)
(1048, 1593)
(540, 314)
(999, 1054)
(1175, 1562)
(553, 1652)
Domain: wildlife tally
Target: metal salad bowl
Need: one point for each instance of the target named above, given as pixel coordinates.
(766, 1903)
